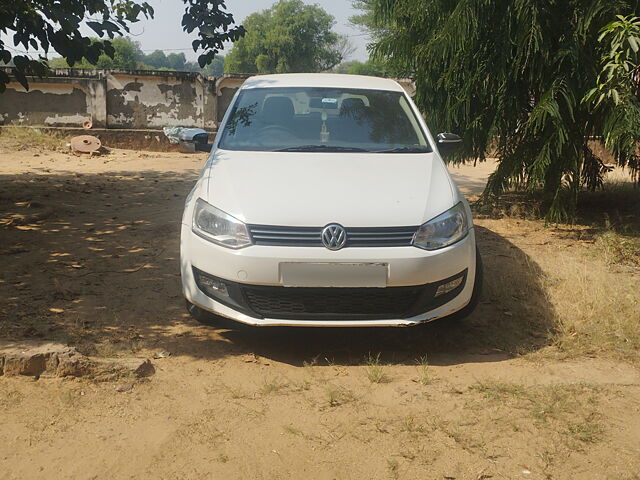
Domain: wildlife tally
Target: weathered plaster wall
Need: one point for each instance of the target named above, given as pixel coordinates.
(226, 88)
(145, 99)
(155, 101)
(52, 104)
(118, 99)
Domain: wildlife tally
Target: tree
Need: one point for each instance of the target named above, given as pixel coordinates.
(345, 67)
(215, 68)
(129, 56)
(366, 19)
(174, 61)
(126, 56)
(288, 37)
(511, 75)
(617, 96)
(370, 67)
(47, 25)
(157, 59)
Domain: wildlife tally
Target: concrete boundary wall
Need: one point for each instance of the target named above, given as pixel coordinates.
(123, 99)
(145, 99)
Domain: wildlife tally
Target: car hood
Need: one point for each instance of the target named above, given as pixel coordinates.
(315, 189)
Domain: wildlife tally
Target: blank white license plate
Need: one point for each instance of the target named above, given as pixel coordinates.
(334, 274)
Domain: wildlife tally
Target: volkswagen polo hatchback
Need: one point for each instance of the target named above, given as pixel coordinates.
(325, 202)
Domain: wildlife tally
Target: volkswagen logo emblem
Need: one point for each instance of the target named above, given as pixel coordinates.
(334, 236)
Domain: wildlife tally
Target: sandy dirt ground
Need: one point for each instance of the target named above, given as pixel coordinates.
(89, 256)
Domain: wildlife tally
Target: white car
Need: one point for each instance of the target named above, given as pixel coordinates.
(325, 202)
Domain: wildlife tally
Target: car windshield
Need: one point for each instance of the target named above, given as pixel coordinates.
(323, 120)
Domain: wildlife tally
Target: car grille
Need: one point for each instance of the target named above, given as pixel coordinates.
(335, 303)
(311, 236)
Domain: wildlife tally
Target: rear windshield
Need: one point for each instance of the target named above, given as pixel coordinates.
(322, 119)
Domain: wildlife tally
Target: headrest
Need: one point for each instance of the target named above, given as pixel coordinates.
(351, 105)
(278, 108)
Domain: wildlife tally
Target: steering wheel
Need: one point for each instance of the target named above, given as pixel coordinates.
(272, 130)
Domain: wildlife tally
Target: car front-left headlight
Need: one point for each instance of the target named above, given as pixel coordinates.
(443, 230)
(219, 227)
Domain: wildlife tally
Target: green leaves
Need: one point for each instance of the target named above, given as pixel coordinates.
(289, 37)
(101, 28)
(619, 62)
(511, 76)
(57, 25)
(46, 25)
(214, 27)
(615, 98)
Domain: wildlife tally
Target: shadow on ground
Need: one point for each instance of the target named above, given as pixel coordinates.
(514, 316)
(92, 260)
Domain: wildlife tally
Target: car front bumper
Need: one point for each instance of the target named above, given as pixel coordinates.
(253, 292)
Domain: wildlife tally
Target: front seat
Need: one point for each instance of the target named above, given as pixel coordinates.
(353, 107)
(278, 111)
(354, 121)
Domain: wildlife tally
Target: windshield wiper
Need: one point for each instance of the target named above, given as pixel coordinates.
(405, 150)
(321, 148)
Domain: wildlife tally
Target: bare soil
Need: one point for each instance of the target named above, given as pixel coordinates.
(519, 390)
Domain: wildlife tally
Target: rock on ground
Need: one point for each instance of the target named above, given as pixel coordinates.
(35, 359)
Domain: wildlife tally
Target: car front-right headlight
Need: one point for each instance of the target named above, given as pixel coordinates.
(443, 230)
(219, 227)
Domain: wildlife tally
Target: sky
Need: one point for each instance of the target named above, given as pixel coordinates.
(164, 32)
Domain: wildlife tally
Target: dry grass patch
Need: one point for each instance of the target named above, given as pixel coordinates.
(235, 393)
(499, 390)
(375, 370)
(310, 437)
(598, 309)
(464, 433)
(569, 410)
(615, 214)
(10, 398)
(424, 373)
(337, 395)
(619, 249)
(394, 468)
(588, 431)
(22, 138)
(409, 425)
(583, 277)
(273, 385)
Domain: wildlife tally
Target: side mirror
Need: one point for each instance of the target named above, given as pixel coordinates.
(448, 143)
(195, 140)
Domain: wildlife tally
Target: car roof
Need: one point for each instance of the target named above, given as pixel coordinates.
(331, 80)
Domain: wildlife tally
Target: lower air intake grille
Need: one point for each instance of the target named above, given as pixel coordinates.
(335, 303)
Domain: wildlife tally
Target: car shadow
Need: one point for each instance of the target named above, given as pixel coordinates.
(513, 317)
(93, 261)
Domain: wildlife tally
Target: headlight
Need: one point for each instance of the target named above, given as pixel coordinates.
(444, 230)
(218, 227)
